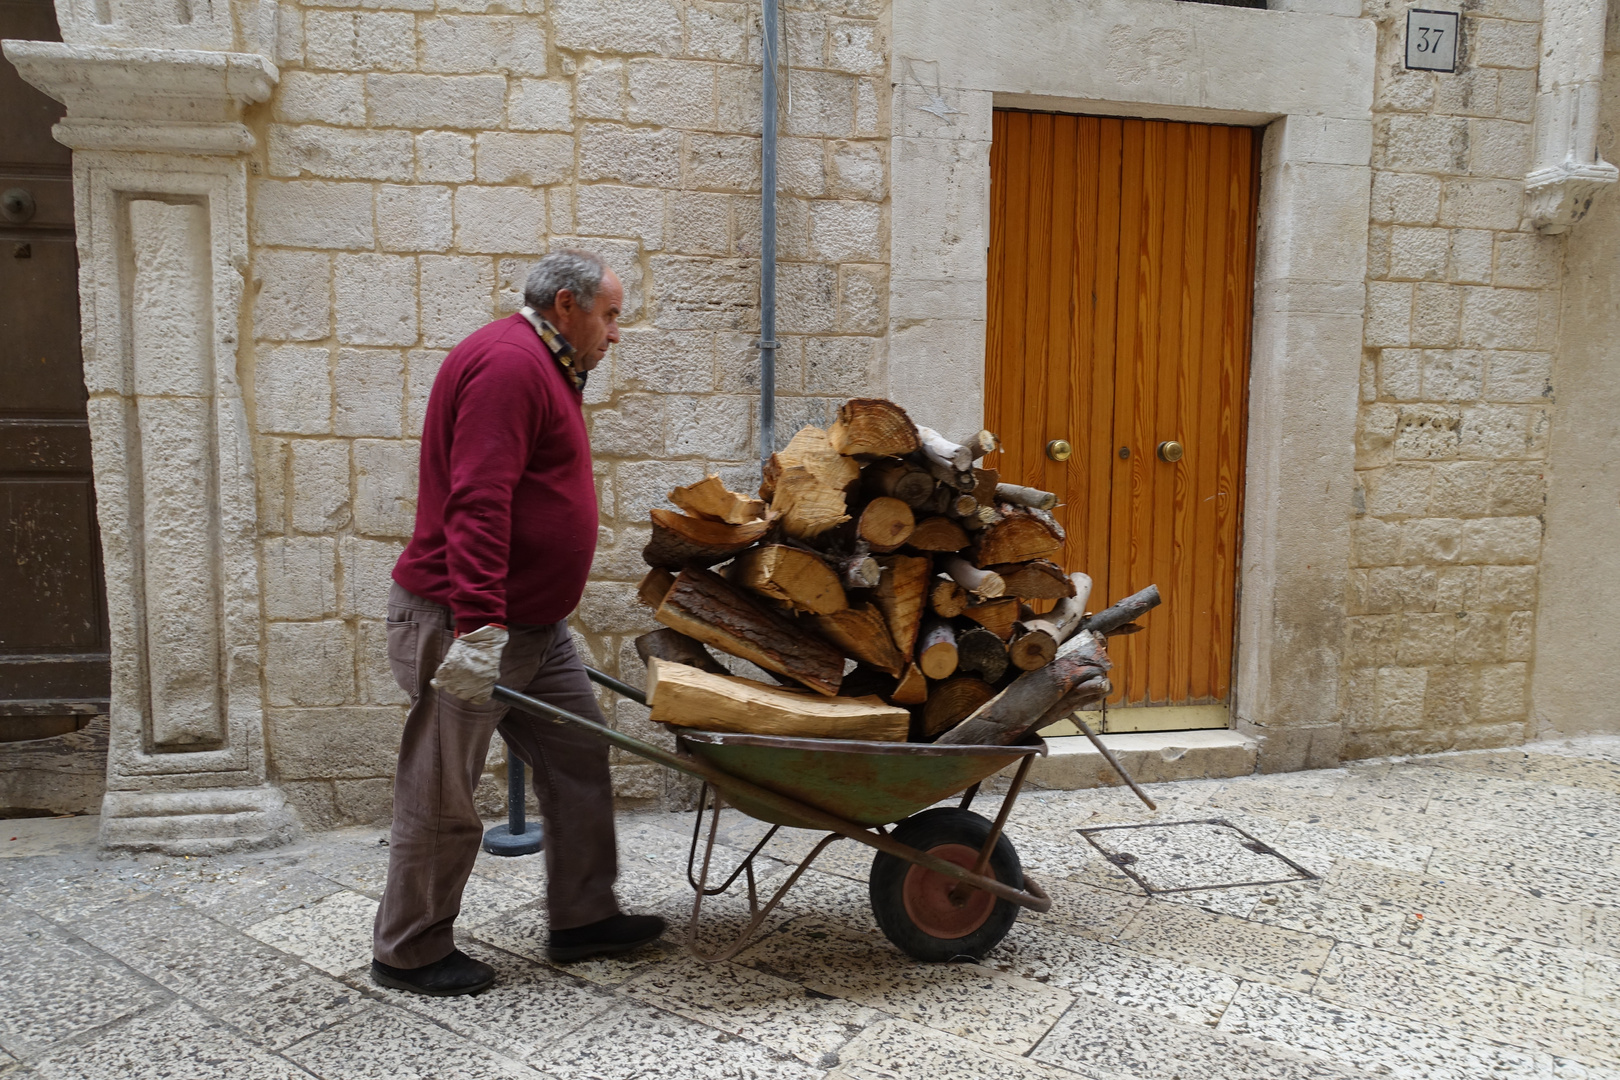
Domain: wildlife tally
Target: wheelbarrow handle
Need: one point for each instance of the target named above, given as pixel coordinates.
(623, 689)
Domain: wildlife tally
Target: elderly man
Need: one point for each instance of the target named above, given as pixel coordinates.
(505, 533)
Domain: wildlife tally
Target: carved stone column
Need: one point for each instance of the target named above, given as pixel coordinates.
(1568, 172)
(160, 201)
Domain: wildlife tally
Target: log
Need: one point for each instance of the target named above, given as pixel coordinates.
(1005, 718)
(886, 523)
(807, 482)
(936, 648)
(985, 442)
(1020, 535)
(708, 498)
(863, 634)
(980, 652)
(873, 426)
(960, 479)
(983, 583)
(951, 702)
(938, 534)
(946, 598)
(1066, 615)
(706, 606)
(901, 596)
(1033, 645)
(963, 506)
(1127, 610)
(793, 574)
(1034, 498)
(687, 697)
(997, 616)
(679, 541)
(676, 647)
(985, 482)
(912, 689)
(939, 449)
(1039, 579)
(655, 586)
(899, 480)
(858, 571)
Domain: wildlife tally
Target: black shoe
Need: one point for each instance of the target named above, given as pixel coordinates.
(614, 934)
(455, 974)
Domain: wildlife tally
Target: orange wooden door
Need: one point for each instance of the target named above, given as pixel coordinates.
(1120, 297)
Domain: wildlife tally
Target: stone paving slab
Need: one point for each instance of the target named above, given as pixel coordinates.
(1465, 925)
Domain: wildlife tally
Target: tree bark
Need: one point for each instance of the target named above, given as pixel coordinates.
(863, 634)
(1127, 610)
(980, 652)
(985, 442)
(936, 648)
(791, 574)
(951, 702)
(676, 647)
(708, 498)
(899, 480)
(1066, 615)
(688, 697)
(873, 426)
(679, 541)
(941, 450)
(655, 586)
(1006, 717)
(1034, 498)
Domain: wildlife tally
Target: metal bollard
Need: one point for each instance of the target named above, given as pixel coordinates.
(517, 836)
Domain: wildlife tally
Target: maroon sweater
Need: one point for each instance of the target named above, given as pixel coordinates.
(506, 508)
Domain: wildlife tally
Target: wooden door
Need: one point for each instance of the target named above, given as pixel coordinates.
(53, 627)
(1120, 298)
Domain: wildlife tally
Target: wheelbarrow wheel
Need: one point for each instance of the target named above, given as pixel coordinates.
(932, 917)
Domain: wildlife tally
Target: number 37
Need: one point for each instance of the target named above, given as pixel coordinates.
(1430, 38)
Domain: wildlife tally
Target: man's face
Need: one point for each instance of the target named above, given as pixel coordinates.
(589, 332)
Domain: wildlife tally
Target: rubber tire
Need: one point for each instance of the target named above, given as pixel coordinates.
(886, 885)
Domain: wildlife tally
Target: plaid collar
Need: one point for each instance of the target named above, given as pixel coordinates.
(560, 349)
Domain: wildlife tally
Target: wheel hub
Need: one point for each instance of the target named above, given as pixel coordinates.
(941, 906)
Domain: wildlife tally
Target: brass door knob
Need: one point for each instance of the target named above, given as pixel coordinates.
(1059, 450)
(1170, 450)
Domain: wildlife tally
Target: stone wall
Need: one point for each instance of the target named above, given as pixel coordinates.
(415, 159)
(1457, 384)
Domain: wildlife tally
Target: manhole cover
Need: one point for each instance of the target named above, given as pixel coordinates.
(1183, 856)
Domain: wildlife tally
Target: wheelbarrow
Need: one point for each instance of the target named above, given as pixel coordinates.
(945, 883)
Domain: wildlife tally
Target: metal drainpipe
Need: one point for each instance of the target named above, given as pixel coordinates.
(767, 246)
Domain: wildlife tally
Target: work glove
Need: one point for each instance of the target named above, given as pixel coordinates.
(472, 665)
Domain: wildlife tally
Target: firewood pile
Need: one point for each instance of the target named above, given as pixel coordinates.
(886, 544)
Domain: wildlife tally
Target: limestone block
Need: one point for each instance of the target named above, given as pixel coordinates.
(270, 461)
(312, 214)
(1456, 587)
(377, 685)
(1431, 540)
(736, 365)
(611, 607)
(642, 485)
(793, 225)
(1498, 148)
(309, 663)
(1389, 313)
(718, 31)
(1371, 641)
(716, 428)
(375, 299)
(1471, 257)
(384, 487)
(510, 157)
(436, 101)
(1502, 540)
(1501, 692)
(320, 484)
(1490, 736)
(1435, 312)
(1519, 641)
(294, 295)
(421, 365)
(1452, 374)
(856, 46)
(698, 293)
(1400, 374)
(1393, 589)
(1419, 254)
(614, 210)
(863, 298)
(1445, 701)
(364, 802)
(413, 217)
(695, 222)
(1427, 432)
(871, 108)
(638, 785)
(823, 104)
(291, 390)
(351, 743)
(1506, 587)
(1518, 376)
(1461, 489)
(1427, 637)
(370, 386)
(1518, 488)
(367, 572)
(289, 44)
(475, 44)
(621, 560)
(1516, 95)
(935, 371)
(858, 170)
(739, 104)
(617, 26)
(1472, 91)
(806, 298)
(645, 156)
(496, 220)
(457, 297)
(1405, 198)
(1481, 204)
(339, 153)
(1480, 636)
(599, 92)
(1436, 144)
(939, 191)
(445, 156)
(1399, 90)
(1500, 318)
(300, 577)
(1500, 43)
(1527, 260)
(1400, 693)
(303, 97)
(539, 105)
(729, 163)
(311, 803)
(675, 93)
(1376, 426)
(847, 231)
(801, 168)
(1504, 431)
(840, 365)
(1399, 491)
(360, 41)
(634, 429)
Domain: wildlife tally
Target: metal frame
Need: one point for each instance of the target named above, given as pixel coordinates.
(1255, 844)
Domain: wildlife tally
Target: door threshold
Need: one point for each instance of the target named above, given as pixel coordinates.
(1146, 718)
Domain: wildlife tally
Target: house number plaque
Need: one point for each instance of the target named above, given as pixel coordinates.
(1431, 40)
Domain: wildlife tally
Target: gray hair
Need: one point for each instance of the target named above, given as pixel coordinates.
(580, 272)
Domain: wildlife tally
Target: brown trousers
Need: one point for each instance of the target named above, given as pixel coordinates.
(437, 831)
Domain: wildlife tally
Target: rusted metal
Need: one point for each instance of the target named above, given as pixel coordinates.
(1108, 756)
(1124, 860)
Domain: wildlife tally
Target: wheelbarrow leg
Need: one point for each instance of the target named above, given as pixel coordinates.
(982, 865)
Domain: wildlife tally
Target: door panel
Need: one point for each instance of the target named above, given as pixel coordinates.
(1121, 268)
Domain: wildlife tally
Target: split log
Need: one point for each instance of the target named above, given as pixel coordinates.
(899, 480)
(680, 541)
(901, 596)
(1005, 718)
(938, 534)
(873, 426)
(807, 482)
(1022, 534)
(1127, 610)
(984, 583)
(792, 574)
(985, 483)
(687, 697)
(676, 647)
(706, 606)
(655, 586)
(939, 449)
(951, 702)
(912, 689)
(936, 648)
(980, 652)
(997, 616)
(985, 442)
(1039, 579)
(708, 498)
(1034, 498)
(946, 598)
(863, 634)
(886, 523)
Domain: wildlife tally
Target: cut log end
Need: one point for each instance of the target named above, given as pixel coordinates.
(873, 426)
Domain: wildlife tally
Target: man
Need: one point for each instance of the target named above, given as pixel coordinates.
(505, 532)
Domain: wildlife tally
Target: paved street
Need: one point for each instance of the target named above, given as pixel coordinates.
(1465, 924)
